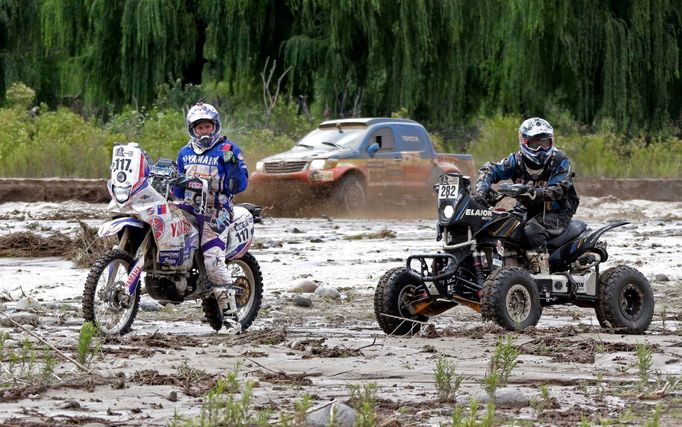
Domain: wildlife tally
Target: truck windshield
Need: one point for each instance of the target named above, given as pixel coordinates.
(331, 138)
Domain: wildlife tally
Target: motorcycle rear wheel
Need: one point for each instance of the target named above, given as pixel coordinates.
(107, 301)
(247, 275)
(393, 300)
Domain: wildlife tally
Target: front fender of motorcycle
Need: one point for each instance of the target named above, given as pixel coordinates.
(112, 228)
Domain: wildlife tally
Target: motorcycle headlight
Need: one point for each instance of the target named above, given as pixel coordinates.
(448, 211)
(318, 164)
(260, 166)
(121, 193)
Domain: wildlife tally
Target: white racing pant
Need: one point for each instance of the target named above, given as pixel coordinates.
(213, 247)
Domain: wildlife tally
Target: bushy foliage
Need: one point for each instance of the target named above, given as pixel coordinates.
(64, 144)
(54, 144)
(19, 95)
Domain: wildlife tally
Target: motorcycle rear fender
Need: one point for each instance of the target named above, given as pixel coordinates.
(114, 227)
(239, 233)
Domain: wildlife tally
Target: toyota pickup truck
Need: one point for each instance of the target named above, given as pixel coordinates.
(351, 161)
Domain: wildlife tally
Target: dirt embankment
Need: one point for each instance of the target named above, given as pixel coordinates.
(95, 190)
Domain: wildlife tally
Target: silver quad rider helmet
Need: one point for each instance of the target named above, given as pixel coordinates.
(536, 140)
(201, 113)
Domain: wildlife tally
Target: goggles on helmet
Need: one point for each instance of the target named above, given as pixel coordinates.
(538, 142)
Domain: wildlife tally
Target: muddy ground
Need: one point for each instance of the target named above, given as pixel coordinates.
(568, 369)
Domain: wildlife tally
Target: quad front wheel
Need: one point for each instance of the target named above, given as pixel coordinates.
(109, 300)
(394, 302)
(625, 300)
(511, 299)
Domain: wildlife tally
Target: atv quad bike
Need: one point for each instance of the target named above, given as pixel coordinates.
(484, 266)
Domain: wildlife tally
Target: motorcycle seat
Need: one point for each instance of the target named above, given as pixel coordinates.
(574, 229)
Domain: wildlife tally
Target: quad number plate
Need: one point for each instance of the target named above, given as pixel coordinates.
(448, 191)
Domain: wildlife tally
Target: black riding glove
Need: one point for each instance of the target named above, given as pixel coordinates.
(533, 193)
(484, 197)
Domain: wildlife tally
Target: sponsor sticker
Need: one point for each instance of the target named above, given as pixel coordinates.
(158, 226)
(478, 212)
(181, 227)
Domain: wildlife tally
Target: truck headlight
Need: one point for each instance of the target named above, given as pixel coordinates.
(121, 193)
(318, 164)
(260, 166)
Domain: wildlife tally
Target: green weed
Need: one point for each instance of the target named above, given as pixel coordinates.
(655, 422)
(49, 364)
(4, 336)
(600, 389)
(501, 364)
(27, 357)
(459, 420)
(298, 417)
(447, 381)
(88, 344)
(543, 402)
(644, 364)
(363, 400)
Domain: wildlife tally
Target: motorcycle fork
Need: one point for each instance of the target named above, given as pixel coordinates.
(138, 264)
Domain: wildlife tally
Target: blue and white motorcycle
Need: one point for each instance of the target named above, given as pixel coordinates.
(160, 240)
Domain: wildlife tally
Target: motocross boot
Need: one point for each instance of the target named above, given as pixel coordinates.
(538, 261)
(225, 296)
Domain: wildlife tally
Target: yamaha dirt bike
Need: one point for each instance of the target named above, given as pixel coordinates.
(162, 240)
(484, 266)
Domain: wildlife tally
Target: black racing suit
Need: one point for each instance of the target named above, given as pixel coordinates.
(553, 200)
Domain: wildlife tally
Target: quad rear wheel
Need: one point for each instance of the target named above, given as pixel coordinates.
(625, 300)
(598, 309)
(511, 299)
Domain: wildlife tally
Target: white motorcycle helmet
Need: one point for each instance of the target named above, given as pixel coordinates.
(199, 113)
(536, 140)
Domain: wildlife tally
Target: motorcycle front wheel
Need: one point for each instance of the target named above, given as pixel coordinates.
(107, 301)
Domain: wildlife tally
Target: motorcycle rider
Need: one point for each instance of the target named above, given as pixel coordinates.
(211, 156)
(551, 201)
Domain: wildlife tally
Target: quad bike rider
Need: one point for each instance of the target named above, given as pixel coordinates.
(509, 264)
(551, 199)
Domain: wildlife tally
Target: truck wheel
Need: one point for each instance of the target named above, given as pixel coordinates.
(393, 301)
(626, 300)
(511, 299)
(350, 194)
